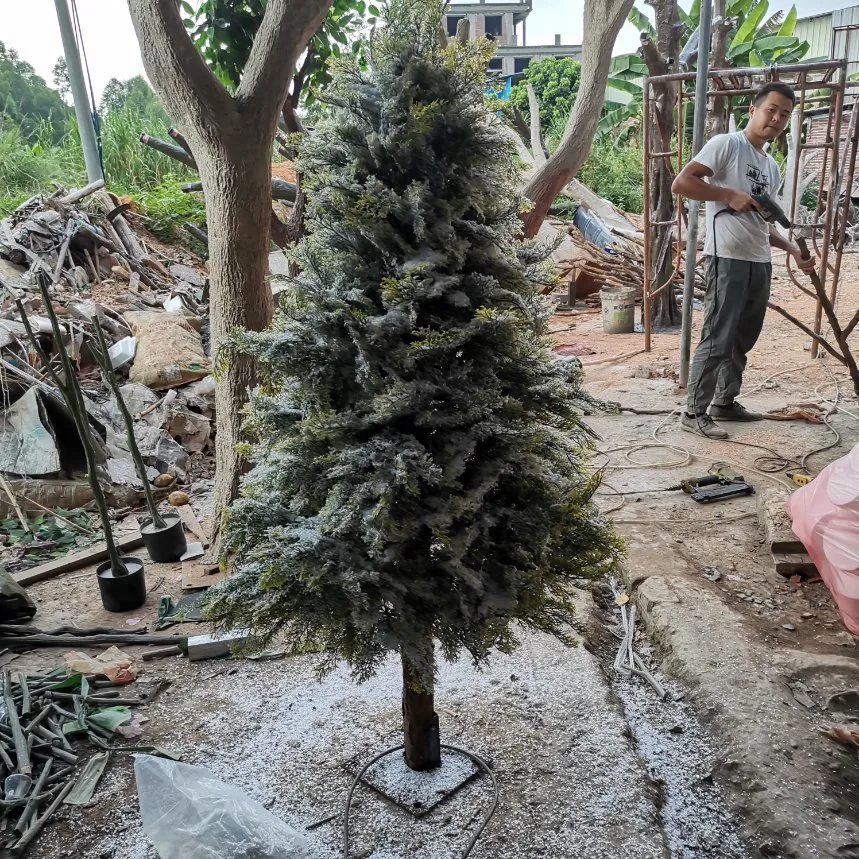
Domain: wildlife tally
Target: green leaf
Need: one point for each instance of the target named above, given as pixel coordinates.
(641, 22)
(737, 49)
(747, 29)
(631, 87)
(755, 59)
(70, 682)
(789, 24)
(773, 43)
(739, 7)
(374, 11)
(110, 718)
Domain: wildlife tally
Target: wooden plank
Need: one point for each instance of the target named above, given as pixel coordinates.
(92, 555)
(790, 564)
(196, 575)
(213, 645)
(772, 513)
(192, 523)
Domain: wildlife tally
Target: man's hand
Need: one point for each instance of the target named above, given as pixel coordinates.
(804, 263)
(739, 201)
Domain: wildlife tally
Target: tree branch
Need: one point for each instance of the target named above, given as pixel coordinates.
(182, 77)
(286, 28)
(536, 137)
(803, 327)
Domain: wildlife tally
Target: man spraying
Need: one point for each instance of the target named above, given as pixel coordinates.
(727, 173)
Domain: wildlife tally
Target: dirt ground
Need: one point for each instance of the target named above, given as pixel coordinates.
(587, 768)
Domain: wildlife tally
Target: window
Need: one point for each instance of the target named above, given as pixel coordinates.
(452, 21)
(493, 27)
(495, 64)
(520, 64)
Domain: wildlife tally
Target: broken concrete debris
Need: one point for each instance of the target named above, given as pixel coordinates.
(102, 266)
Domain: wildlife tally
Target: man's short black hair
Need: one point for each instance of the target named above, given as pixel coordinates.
(778, 87)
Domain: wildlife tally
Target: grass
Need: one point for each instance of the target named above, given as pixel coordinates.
(132, 170)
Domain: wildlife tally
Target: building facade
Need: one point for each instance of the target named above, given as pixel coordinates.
(832, 35)
(504, 21)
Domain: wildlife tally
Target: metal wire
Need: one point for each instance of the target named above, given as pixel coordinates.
(474, 757)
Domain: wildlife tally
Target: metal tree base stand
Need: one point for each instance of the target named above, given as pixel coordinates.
(471, 755)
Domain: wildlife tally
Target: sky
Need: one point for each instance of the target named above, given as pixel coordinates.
(30, 27)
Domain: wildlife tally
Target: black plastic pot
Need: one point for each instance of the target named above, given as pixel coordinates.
(165, 544)
(122, 593)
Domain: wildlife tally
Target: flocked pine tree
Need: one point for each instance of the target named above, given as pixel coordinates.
(419, 458)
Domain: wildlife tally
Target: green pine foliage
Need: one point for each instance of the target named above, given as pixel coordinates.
(420, 461)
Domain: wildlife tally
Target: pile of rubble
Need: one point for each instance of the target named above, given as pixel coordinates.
(152, 306)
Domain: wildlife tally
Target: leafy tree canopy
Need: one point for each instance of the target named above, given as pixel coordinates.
(419, 466)
(555, 82)
(134, 94)
(224, 30)
(26, 100)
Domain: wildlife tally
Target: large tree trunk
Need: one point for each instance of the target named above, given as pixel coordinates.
(238, 217)
(231, 137)
(420, 722)
(665, 313)
(603, 20)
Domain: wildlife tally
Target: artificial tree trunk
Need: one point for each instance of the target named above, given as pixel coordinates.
(420, 722)
(665, 313)
(603, 20)
(231, 136)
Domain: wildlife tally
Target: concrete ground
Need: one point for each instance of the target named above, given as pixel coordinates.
(759, 655)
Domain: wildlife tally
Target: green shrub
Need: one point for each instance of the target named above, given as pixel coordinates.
(616, 173)
(166, 207)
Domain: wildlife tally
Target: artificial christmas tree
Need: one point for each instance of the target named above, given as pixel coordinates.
(420, 462)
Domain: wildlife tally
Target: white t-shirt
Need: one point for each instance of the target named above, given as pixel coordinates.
(738, 165)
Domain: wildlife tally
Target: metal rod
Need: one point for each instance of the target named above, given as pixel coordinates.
(699, 120)
(83, 109)
(788, 69)
(648, 240)
(831, 206)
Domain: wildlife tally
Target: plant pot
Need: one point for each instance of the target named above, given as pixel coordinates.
(122, 593)
(164, 544)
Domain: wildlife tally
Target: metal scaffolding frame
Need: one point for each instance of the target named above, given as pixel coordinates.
(820, 83)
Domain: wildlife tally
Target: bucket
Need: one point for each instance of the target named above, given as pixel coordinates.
(164, 544)
(122, 593)
(618, 309)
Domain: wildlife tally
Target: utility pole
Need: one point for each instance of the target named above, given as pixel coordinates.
(83, 109)
(700, 119)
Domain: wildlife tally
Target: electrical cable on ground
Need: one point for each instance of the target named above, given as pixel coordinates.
(474, 757)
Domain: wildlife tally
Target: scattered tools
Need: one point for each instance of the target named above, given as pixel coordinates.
(720, 483)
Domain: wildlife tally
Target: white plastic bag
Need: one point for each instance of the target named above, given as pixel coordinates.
(188, 814)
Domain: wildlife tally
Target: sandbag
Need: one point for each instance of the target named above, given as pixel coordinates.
(825, 516)
(169, 351)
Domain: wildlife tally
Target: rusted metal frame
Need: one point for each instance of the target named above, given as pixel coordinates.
(831, 207)
(797, 158)
(645, 294)
(789, 69)
(848, 171)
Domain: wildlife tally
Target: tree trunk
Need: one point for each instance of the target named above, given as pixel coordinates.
(603, 20)
(231, 136)
(420, 722)
(717, 110)
(665, 313)
(238, 217)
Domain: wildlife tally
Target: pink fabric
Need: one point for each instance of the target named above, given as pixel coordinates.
(825, 516)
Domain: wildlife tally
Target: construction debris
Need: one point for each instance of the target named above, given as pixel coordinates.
(101, 266)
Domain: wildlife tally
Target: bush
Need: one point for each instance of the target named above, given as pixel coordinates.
(616, 173)
(555, 83)
(166, 207)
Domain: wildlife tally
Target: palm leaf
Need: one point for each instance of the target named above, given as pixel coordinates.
(788, 26)
(641, 22)
(747, 29)
(755, 59)
(631, 87)
(739, 7)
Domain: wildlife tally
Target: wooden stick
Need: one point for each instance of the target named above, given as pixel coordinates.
(28, 642)
(175, 152)
(61, 257)
(14, 502)
(22, 752)
(38, 824)
(75, 196)
(57, 515)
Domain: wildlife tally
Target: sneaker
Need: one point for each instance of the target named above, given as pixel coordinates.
(702, 425)
(733, 412)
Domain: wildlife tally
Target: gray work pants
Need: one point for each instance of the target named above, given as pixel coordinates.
(734, 308)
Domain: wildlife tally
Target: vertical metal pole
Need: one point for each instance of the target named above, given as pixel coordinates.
(699, 120)
(648, 238)
(83, 110)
